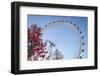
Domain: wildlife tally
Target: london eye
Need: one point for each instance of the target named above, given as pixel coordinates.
(71, 26)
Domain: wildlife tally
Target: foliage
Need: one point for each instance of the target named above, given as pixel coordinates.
(36, 46)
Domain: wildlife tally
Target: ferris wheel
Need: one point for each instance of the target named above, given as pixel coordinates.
(75, 28)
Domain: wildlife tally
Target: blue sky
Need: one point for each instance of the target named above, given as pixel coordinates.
(66, 39)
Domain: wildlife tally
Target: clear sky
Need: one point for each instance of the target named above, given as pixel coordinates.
(66, 40)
